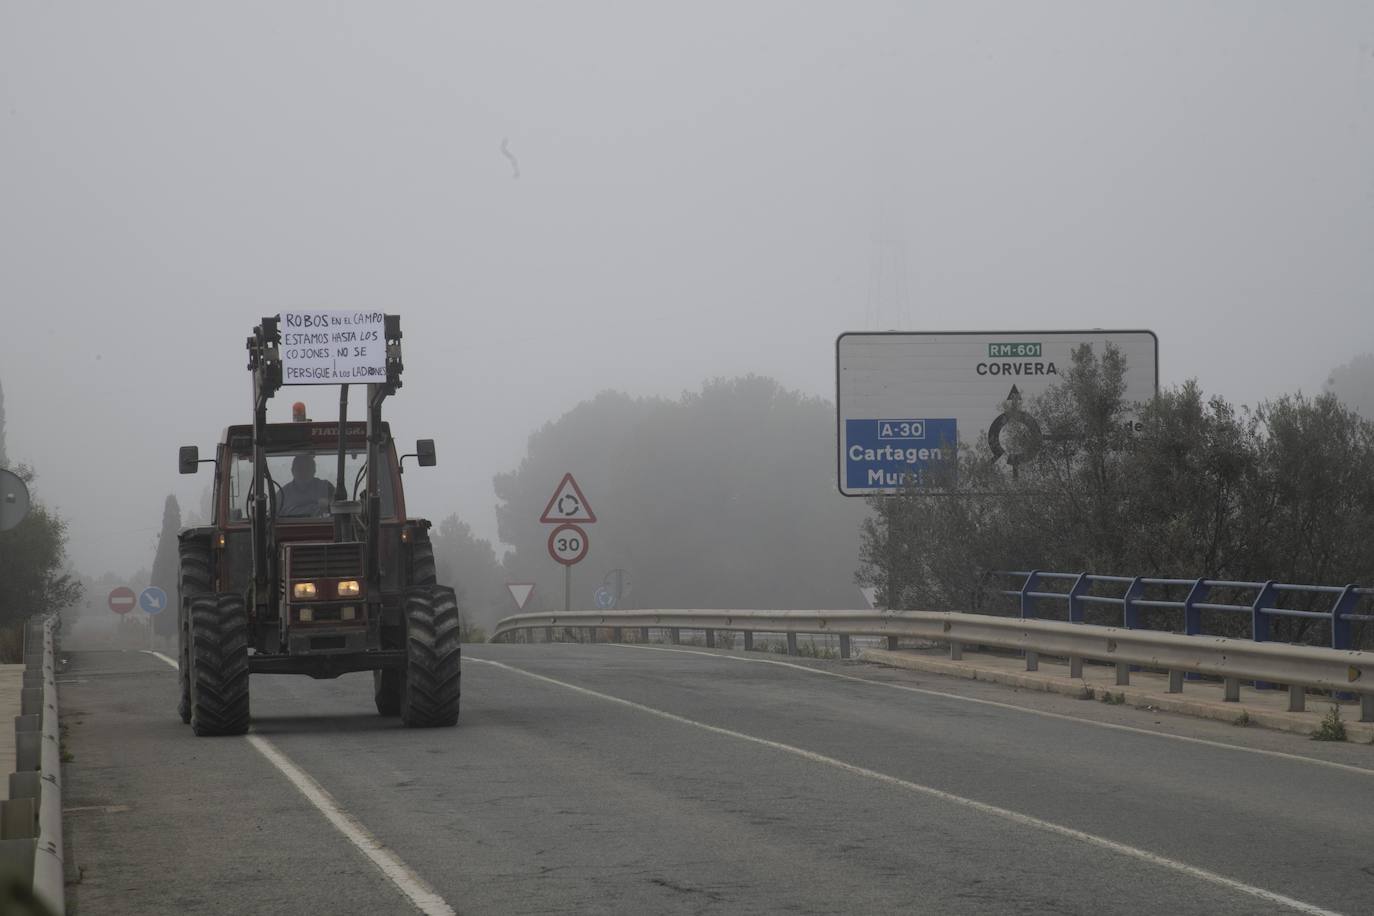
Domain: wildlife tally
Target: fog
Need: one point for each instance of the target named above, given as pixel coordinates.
(703, 190)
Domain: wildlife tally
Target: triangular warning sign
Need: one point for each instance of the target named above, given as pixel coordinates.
(520, 591)
(568, 505)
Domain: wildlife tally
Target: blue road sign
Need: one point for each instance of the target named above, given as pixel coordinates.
(605, 599)
(887, 454)
(152, 600)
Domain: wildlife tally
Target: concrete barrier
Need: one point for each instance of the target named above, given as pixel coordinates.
(31, 819)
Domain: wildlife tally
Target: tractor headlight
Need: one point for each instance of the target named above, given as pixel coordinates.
(304, 590)
(348, 588)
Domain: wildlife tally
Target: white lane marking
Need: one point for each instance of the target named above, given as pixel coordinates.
(171, 661)
(1006, 814)
(1282, 755)
(425, 898)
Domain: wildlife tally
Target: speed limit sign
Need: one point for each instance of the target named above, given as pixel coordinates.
(568, 544)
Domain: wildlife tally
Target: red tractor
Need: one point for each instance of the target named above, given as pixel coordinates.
(300, 575)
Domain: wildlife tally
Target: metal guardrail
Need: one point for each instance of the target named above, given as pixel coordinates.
(1261, 609)
(1233, 660)
(31, 819)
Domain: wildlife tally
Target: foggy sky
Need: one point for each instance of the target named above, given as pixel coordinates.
(705, 189)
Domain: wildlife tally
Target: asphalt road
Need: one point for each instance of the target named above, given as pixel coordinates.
(604, 779)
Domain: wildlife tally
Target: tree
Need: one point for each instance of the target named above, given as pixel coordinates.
(1061, 504)
(33, 557)
(33, 579)
(1309, 512)
(1189, 469)
(723, 498)
(166, 566)
(468, 564)
(1188, 488)
(1353, 383)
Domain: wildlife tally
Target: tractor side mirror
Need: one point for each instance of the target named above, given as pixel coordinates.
(188, 459)
(424, 451)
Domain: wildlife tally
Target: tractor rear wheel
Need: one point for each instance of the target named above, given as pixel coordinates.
(193, 578)
(219, 664)
(422, 564)
(430, 686)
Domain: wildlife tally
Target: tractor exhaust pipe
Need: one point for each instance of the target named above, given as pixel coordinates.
(342, 523)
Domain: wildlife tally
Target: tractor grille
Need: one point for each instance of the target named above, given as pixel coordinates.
(325, 561)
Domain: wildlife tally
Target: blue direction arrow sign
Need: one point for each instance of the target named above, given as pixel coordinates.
(152, 600)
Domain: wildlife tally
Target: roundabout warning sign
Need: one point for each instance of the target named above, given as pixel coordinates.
(568, 505)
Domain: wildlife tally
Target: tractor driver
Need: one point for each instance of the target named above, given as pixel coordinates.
(305, 494)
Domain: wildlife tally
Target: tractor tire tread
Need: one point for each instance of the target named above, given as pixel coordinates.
(422, 568)
(193, 578)
(430, 689)
(219, 665)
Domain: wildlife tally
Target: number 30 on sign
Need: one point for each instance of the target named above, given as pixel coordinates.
(568, 544)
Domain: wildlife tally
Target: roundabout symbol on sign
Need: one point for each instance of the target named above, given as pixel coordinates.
(1024, 434)
(1019, 429)
(568, 544)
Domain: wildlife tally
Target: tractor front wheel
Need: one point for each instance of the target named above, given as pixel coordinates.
(219, 664)
(193, 578)
(429, 688)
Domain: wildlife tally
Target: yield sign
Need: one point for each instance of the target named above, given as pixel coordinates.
(568, 505)
(520, 591)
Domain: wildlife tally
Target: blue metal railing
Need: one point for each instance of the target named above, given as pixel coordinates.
(1262, 608)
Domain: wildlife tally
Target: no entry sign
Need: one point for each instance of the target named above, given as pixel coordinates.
(122, 600)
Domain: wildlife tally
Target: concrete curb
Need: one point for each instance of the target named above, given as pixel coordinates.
(1303, 723)
(31, 819)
